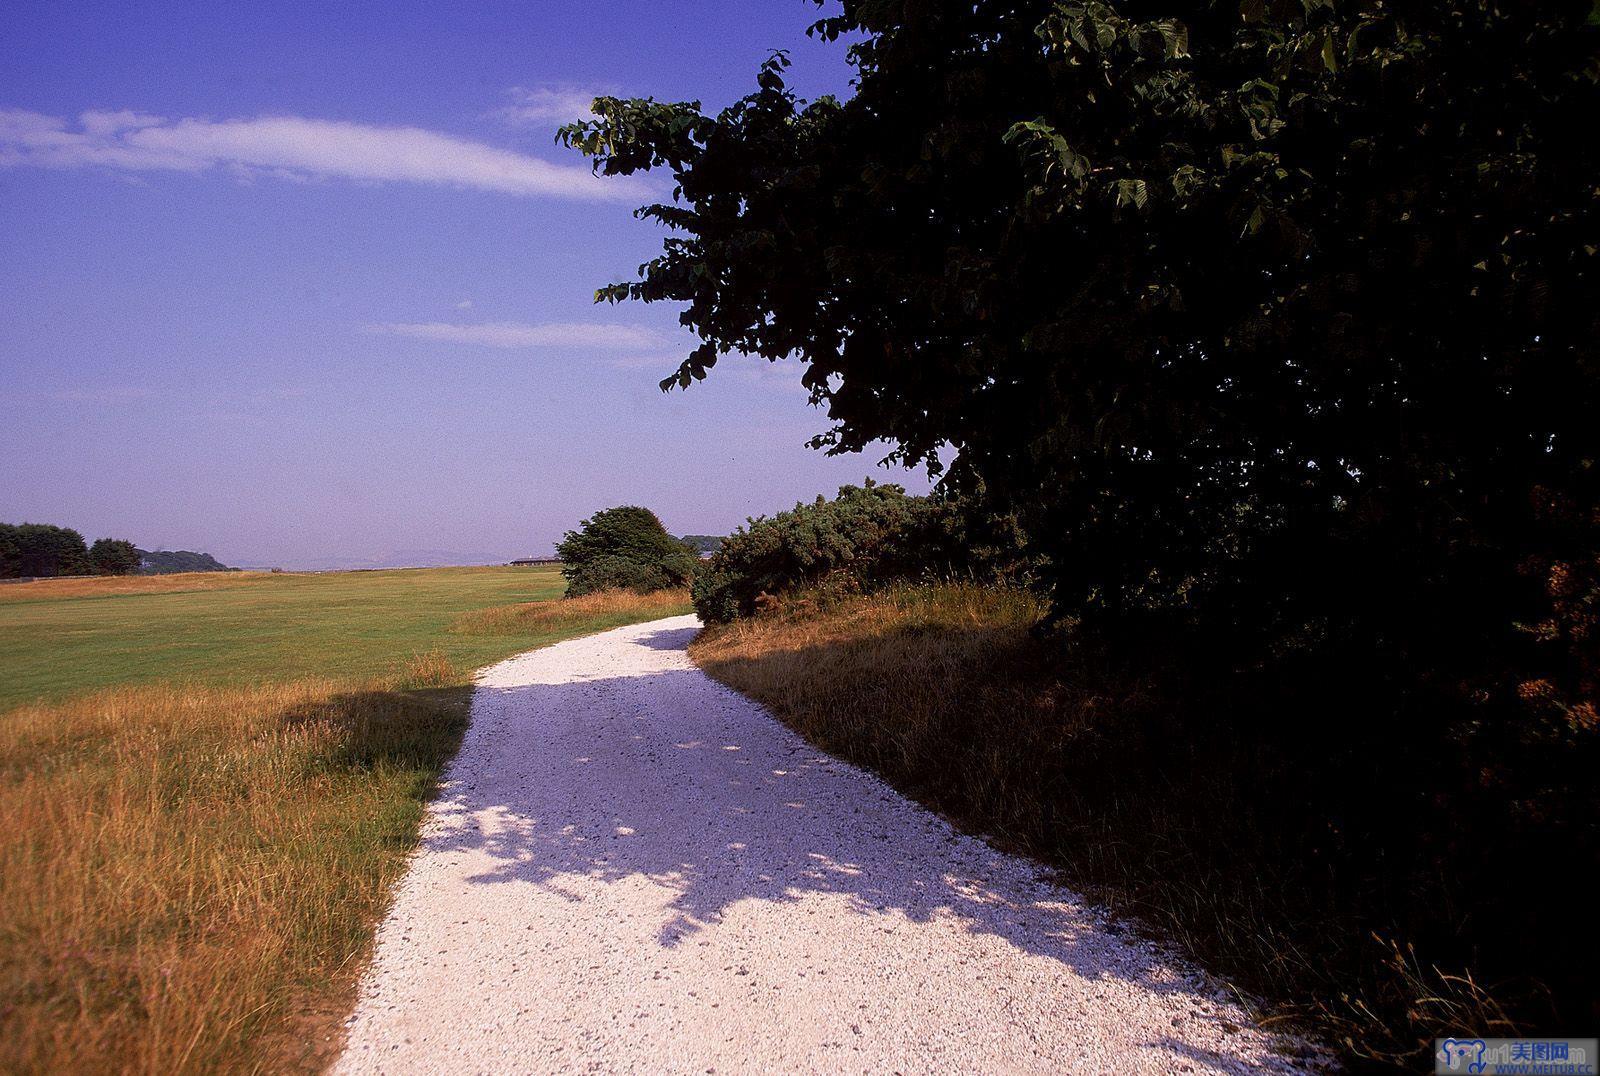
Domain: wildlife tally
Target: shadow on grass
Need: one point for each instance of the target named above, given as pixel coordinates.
(1286, 844)
(403, 728)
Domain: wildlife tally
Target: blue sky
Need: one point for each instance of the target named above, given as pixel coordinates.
(309, 284)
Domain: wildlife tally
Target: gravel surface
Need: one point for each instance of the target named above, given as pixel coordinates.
(634, 869)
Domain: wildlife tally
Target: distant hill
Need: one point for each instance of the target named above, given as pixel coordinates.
(381, 559)
(168, 561)
(702, 543)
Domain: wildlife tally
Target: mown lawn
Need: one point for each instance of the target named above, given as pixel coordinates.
(208, 785)
(60, 637)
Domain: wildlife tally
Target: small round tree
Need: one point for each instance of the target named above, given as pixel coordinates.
(113, 556)
(623, 548)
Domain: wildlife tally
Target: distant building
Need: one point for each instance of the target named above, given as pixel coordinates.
(528, 562)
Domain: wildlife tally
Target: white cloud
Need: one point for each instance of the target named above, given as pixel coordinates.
(511, 334)
(782, 376)
(108, 394)
(107, 123)
(293, 147)
(465, 304)
(550, 104)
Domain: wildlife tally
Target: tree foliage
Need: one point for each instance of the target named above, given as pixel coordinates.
(113, 556)
(1272, 318)
(39, 549)
(624, 547)
(1274, 321)
(170, 561)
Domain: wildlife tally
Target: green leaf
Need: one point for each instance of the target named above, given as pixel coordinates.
(1188, 179)
(1174, 38)
(1132, 192)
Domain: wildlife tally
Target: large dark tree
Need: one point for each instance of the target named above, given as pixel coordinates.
(10, 551)
(40, 549)
(1274, 321)
(1275, 318)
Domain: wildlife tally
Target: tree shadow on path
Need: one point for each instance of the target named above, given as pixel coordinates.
(671, 777)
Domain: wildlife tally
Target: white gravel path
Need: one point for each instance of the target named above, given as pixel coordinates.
(634, 869)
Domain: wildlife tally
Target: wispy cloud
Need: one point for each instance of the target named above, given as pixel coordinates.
(780, 376)
(104, 394)
(665, 363)
(550, 104)
(292, 147)
(511, 334)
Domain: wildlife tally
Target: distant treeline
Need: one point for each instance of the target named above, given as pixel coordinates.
(702, 543)
(29, 550)
(167, 562)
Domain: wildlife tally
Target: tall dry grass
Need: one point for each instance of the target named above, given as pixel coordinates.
(188, 877)
(947, 694)
(925, 685)
(604, 608)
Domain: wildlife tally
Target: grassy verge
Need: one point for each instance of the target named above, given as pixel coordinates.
(1194, 827)
(591, 612)
(190, 870)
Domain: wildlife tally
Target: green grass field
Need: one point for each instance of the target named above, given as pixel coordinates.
(208, 785)
(59, 638)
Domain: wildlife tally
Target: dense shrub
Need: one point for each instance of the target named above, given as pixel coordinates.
(612, 572)
(624, 547)
(866, 536)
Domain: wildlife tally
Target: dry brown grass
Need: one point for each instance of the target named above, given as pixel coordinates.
(188, 875)
(606, 608)
(95, 586)
(900, 681)
(430, 668)
(945, 692)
